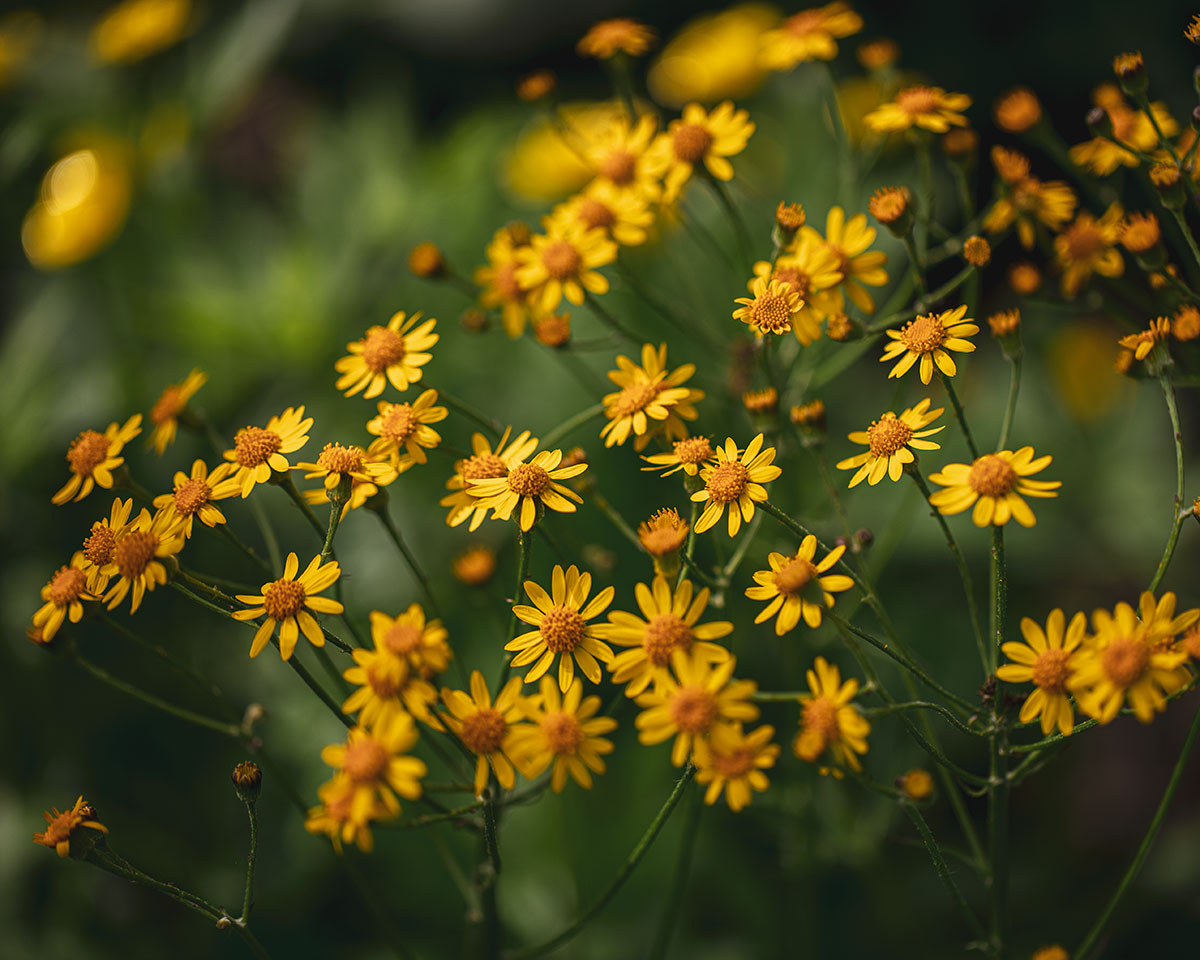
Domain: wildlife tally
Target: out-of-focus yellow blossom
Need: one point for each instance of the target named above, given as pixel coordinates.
(1089, 246)
(544, 165)
(732, 762)
(607, 38)
(699, 138)
(135, 29)
(930, 108)
(617, 154)
(809, 35)
(850, 241)
(651, 400)
(1129, 125)
(813, 272)
(829, 721)
(623, 214)
(498, 281)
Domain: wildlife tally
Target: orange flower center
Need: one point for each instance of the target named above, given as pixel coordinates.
(562, 629)
(771, 313)
(528, 480)
(1124, 660)
(916, 100)
(402, 638)
(283, 599)
(561, 260)
(795, 278)
(664, 633)
(992, 476)
(1083, 240)
(562, 732)
(804, 23)
(505, 282)
(338, 459)
(254, 445)
(66, 586)
(593, 213)
(98, 547)
(887, 435)
(693, 450)
(736, 763)
(382, 348)
(484, 731)
(366, 759)
(727, 482)
(637, 396)
(483, 466)
(618, 166)
(1050, 670)
(794, 576)
(691, 142)
(819, 715)
(658, 539)
(88, 451)
(168, 406)
(693, 709)
(133, 551)
(191, 495)
(924, 333)
(386, 676)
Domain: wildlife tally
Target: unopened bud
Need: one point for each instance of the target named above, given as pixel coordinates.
(247, 781)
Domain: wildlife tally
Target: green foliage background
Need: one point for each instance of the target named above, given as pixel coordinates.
(279, 233)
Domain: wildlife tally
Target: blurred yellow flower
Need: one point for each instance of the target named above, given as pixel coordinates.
(812, 270)
(19, 34)
(616, 153)
(699, 137)
(565, 733)
(930, 108)
(606, 38)
(498, 282)
(732, 762)
(486, 728)
(547, 163)
(167, 408)
(1130, 127)
(1088, 246)
(651, 401)
(809, 35)
(623, 214)
(135, 29)
(829, 721)
(63, 597)
(850, 241)
(60, 826)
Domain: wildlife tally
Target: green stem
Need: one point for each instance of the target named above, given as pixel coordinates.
(964, 573)
(182, 669)
(224, 531)
(409, 558)
(947, 288)
(998, 789)
(937, 708)
(458, 406)
(943, 871)
(251, 858)
(739, 227)
(491, 914)
(613, 323)
(918, 267)
(311, 682)
(1143, 849)
(668, 919)
(925, 174)
(959, 415)
(336, 499)
(631, 862)
(1173, 537)
(1187, 233)
(522, 575)
(289, 488)
(571, 424)
(616, 519)
(1010, 408)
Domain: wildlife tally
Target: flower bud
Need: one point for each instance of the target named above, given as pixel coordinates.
(535, 86)
(426, 260)
(1168, 181)
(247, 781)
(1130, 69)
(789, 217)
(916, 784)
(1099, 122)
(977, 251)
(891, 206)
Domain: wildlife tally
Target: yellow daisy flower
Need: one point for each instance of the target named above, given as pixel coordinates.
(336, 463)
(139, 547)
(795, 588)
(927, 338)
(99, 545)
(617, 153)
(735, 482)
(1127, 658)
(1089, 246)
(888, 440)
(387, 685)
(377, 761)
(624, 215)
(669, 625)
(994, 484)
(404, 430)
(259, 451)
(393, 354)
(812, 271)
(689, 701)
(732, 762)
(361, 491)
(930, 108)
(194, 494)
(699, 137)
(286, 602)
(649, 393)
(63, 595)
(560, 618)
(1142, 342)
(485, 463)
(849, 240)
(808, 35)
(1028, 202)
(94, 456)
(829, 721)
(486, 728)
(772, 307)
(499, 286)
(60, 826)
(565, 732)
(529, 484)
(1130, 126)
(607, 38)
(1047, 658)
(561, 263)
(167, 408)
(345, 813)
(420, 642)
(688, 455)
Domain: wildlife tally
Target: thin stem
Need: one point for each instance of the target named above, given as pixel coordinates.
(459, 406)
(522, 574)
(943, 871)
(571, 424)
(289, 488)
(918, 265)
(739, 554)
(223, 530)
(739, 227)
(337, 498)
(182, 669)
(616, 519)
(1173, 537)
(631, 862)
(998, 789)
(613, 323)
(1010, 408)
(937, 708)
(926, 301)
(311, 682)
(960, 561)
(1187, 233)
(925, 207)
(959, 415)
(251, 858)
(1143, 850)
(491, 914)
(409, 558)
(668, 919)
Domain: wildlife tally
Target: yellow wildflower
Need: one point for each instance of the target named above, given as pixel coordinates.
(888, 440)
(649, 393)
(1047, 658)
(930, 108)
(994, 484)
(259, 451)
(829, 721)
(564, 733)
(809, 35)
(94, 456)
(735, 481)
(286, 602)
(927, 338)
(795, 588)
(699, 137)
(392, 354)
(167, 408)
(732, 762)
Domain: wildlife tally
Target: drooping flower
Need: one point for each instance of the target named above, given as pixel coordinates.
(560, 619)
(796, 588)
(564, 733)
(930, 108)
(136, 556)
(928, 338)
(651, 400)
(194, 494)
(167, 408)
(393, 354)
(486, 728)
(259, 451)
(888, 440)
(287, 602)
(562, 263)
(529, 484)
(669, 625)
(63, 598)
(735, 481)
(994, 484)
(732, 762)
(60, 826)
(809, 35)
(1047, 658)
(829, 721)
(1142, 342)
(94, 456)
(485, 463)
(699, 138)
